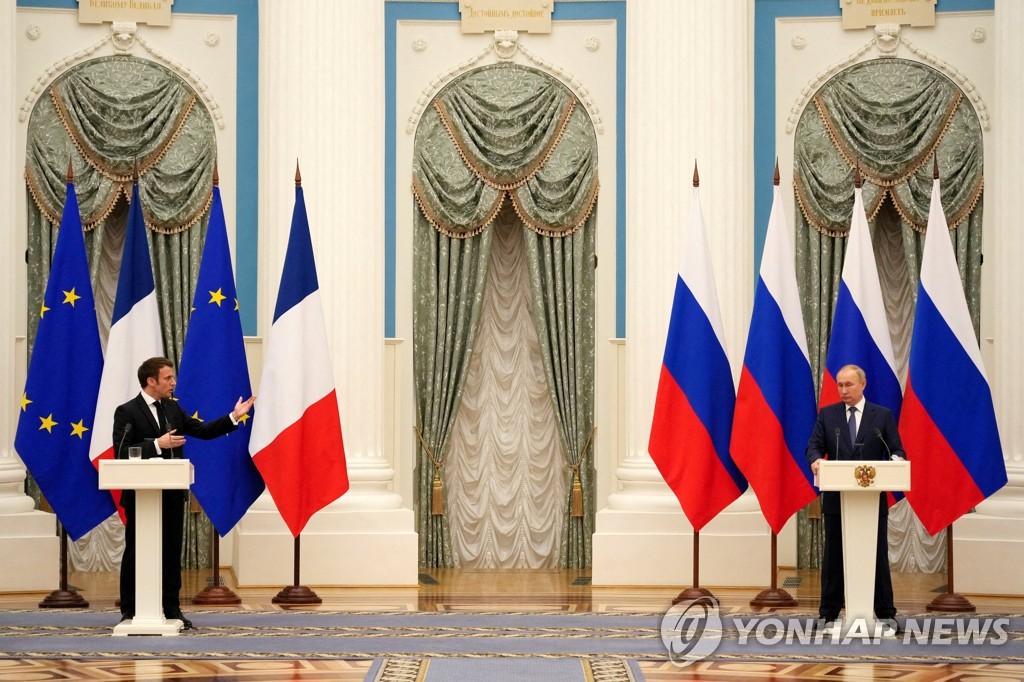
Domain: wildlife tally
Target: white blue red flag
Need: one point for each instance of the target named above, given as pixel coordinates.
(948, 425)
(694, 406)
(134, 332)
(213, 375)
(860, 329)
(775, 409)
(296, 438)
(56, 423)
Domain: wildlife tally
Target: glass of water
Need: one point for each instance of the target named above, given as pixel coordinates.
(135, 452)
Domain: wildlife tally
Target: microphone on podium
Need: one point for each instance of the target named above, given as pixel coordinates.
(127, 428)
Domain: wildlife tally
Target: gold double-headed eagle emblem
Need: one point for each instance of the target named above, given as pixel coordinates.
(865, 475)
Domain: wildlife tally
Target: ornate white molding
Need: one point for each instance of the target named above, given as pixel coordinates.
(190, 77)
(887, 41)
(505, 47)
(58, 67)
(123, 36)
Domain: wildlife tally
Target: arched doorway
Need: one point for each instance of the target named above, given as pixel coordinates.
(105, 116)
(891, 117)
(514, 137)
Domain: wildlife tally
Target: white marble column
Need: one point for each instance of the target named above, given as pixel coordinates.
(322, 101)
(689, 97)
(28, 541)
(991, 541)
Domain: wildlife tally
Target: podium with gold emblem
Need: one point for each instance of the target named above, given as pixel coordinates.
(859, 483)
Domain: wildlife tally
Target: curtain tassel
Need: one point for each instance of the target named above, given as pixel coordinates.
(577, 495)
(437, 496)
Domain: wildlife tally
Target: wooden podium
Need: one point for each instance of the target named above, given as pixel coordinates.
(859, 483)
(148, 478)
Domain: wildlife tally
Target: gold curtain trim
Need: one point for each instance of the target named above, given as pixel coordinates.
(97, 162)
(908, 170)
(550, 230)
(107, 208)
(448, 229)
(192, 220)
(531, 169)
(952, 222)
(798, 190)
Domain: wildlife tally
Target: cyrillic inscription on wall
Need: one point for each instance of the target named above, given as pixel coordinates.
(529, 16)
(152, 12)
(864, 13)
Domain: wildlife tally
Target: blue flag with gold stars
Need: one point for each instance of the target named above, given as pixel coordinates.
(59, 403)
(212, 377)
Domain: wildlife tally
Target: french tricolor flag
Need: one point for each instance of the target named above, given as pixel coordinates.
(296, 438)
(134, 332)
(694, 406)
(775, 408)
(948, 425)
(860, 330)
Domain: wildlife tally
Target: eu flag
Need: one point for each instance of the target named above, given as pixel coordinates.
(213, 375)
(59, 403)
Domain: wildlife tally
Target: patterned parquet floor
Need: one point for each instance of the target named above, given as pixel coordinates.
(471, 590)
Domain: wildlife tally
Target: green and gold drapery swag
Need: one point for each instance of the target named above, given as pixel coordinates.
(503, 133)
(891, 117)
(105, 115)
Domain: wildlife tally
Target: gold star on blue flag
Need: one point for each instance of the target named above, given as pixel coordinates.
(62, 385)
(213, 376)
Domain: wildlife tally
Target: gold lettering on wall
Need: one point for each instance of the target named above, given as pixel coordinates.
(152, 12)
(528, 16)
(864, 13)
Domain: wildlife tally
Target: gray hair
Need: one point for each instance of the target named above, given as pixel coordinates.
(860, 373)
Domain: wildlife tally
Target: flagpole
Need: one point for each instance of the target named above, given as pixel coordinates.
(695, 592)
(64, 598)
(950, 600)
(296, 594)
(216, 594)
(773, 597)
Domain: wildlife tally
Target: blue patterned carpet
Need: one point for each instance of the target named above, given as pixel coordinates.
(440, 635)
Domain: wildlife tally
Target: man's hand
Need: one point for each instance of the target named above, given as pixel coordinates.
(242, 407)
(170, 440)
(814, 466)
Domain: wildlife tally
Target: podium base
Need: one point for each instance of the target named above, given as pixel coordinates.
(148, 626)
(772, 598)
(64, 599)
(297, 595)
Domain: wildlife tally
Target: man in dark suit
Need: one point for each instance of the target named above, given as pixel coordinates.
(156, 423)
(858, 430)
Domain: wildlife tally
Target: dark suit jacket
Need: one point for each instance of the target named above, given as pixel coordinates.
(144, 429)
(877, 430)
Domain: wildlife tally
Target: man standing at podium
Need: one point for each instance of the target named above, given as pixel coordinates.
(853, 429)
(154, 422)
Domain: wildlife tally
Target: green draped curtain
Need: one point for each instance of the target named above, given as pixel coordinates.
(104, 116)
(890, 117)
(496, 134)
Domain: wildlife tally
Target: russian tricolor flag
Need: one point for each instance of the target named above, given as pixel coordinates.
(296, 438)
(860, 330)
(693, 410)
(948, 425)
(134, 332)
(775, 408)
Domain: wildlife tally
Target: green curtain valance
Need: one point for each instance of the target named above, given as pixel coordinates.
(104, 115)
(505, 132)
(890, 116)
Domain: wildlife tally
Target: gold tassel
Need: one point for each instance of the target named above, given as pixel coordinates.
(437, 496)
(577, 495)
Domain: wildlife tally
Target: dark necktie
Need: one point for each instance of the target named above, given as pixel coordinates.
(161, 417)
(853, 425)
